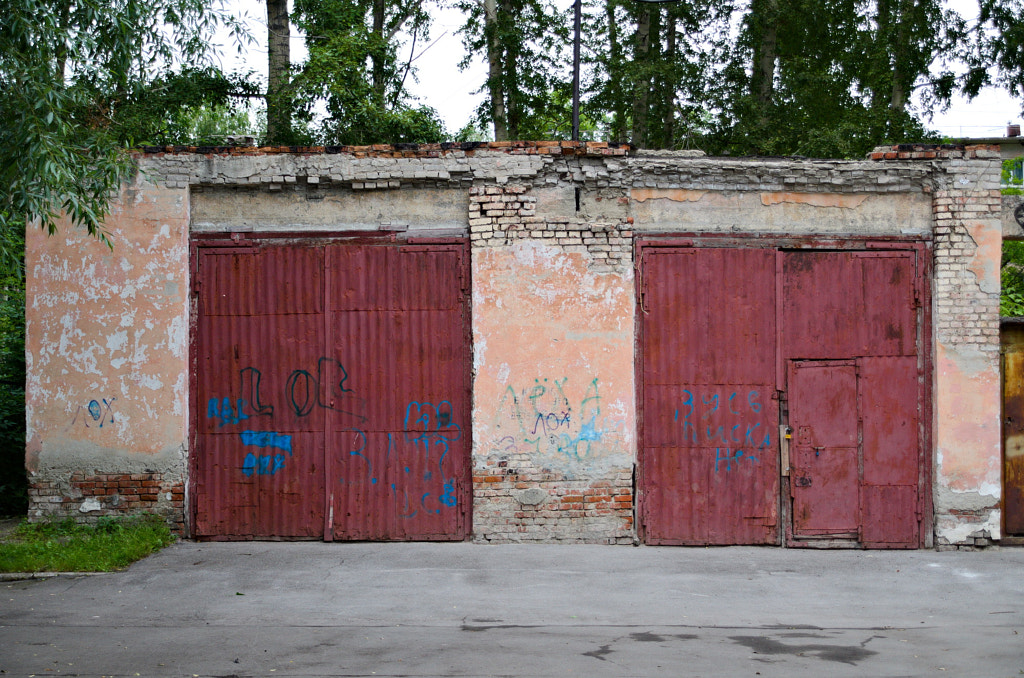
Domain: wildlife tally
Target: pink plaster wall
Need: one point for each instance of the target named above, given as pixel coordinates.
(553, 359)
(107, 339)
(968, 437)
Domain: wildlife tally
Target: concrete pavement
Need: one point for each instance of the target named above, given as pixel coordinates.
(316, 609)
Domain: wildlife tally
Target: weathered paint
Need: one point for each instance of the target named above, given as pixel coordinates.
(553, 359)
(658, 209)
(1012, 340)
(968, 432)
(311, 207)
(967, 426)
(337, 379)
(74, 327)
(107, 341)
(709, 463)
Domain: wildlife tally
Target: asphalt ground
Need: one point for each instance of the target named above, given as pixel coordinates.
(463, 609)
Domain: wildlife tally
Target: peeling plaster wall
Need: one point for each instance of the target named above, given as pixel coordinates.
(782, 212)
(553, 299)
(553, 410)
(968, 436)
(107, 351)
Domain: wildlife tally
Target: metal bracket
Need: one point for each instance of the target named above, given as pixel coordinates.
(785, 433)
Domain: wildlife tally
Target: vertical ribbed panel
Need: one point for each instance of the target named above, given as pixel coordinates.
(400, 462)
(710, 421)
(260, 470)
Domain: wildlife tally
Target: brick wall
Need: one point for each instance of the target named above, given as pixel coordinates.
(86, 497)
(527, 487)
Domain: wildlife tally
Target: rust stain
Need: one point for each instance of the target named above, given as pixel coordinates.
(673, 194)
(813, 199)
(1014, 499)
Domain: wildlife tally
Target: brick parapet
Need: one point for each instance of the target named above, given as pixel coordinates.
(86, 497)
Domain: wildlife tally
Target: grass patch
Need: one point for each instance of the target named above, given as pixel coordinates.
(66, 546)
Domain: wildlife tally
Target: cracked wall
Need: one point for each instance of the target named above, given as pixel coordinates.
(553, 298)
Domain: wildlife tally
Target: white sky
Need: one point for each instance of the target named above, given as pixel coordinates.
(455, 94)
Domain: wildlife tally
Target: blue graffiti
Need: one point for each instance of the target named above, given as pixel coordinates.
(448, 498)
(423, 419)
(429, 425)
(217, 409)
(232, 412)
(267, 439)
(728, 433)
(358, 452)
(263, 465)
(730, 457)
(97, 412)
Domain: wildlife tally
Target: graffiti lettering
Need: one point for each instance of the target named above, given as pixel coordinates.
(730, 457)
(728, 425)
(543, 417)
(263, 465)
(267, 439)
(95, 414)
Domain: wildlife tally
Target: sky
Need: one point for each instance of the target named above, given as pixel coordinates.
(456, 94)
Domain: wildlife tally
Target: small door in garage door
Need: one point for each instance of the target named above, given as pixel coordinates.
(332, 392)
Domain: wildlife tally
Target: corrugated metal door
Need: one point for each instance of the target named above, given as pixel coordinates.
(260, 470)
(728, 331)
(329, 385)
(710, 454)
(850, 334)
(824, 455)
(399, 461)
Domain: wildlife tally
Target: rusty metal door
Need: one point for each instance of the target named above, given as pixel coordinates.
(315, 366)
(399, 454)
(727, 334)
(824, 450)
(260, 470)
(1013, 428)
(850, 339)
(709, 463)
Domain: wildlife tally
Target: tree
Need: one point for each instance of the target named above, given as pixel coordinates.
(67, 71)
(655, 68)
(523, 43)
(355, 70)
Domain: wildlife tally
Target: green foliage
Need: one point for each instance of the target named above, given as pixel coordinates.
(67, 546)
(71, 74)
(843, 74)
(1011, 276)
(13, 482)
(1012, 177)
(189, 107)
(354, 70)
(525, 43)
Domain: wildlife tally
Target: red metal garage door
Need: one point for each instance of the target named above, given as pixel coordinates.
(710, 417)
(834, 336)
(331, 392)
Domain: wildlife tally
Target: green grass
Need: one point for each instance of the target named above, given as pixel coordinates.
(65, 546)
